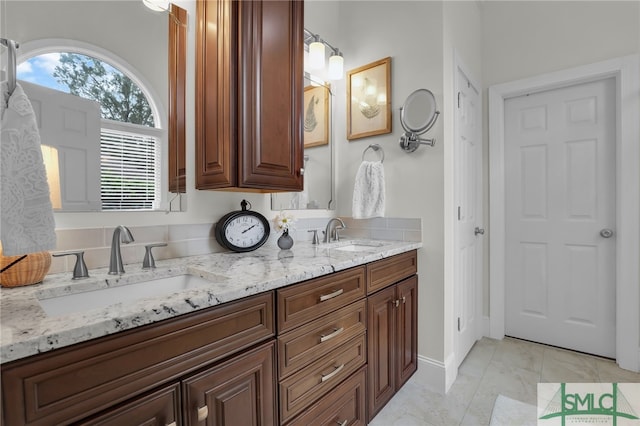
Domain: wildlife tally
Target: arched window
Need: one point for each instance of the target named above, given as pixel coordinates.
(130, 137)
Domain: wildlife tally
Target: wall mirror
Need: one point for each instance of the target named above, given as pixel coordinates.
(318, 152)
(417, 115)
(149, 48)
(321, 87)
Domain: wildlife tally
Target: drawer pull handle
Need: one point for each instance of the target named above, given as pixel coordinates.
(343, 423)
(326, 377)
(203, 413)
(336, 331)
(336, 293)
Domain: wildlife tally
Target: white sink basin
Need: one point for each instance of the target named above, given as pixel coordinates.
(359, 247)
(101, 298)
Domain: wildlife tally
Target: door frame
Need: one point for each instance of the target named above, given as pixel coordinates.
(626, 72)
(460, 66)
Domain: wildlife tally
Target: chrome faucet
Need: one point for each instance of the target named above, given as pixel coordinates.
(331, 232)
(120, 234)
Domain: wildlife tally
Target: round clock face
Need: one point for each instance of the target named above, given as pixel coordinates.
(244, 231)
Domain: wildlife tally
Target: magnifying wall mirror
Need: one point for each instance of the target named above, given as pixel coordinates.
(417, 115)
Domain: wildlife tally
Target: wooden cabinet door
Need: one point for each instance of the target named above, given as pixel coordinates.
(381, 329)
(161, 407)
(270, 96)
(249, 75)
(215, 94)
(240, 391)
(407, 330)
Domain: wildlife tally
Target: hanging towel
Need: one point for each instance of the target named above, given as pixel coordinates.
(26, 216)
(368, 192)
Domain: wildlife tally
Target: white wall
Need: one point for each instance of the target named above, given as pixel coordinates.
(411, 33)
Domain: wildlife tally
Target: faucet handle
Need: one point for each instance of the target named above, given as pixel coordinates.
(80, 269)
(337, 234)
(149, 262)
(315, 239)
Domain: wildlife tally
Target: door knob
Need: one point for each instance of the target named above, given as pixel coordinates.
(478, 230)
(606, 233)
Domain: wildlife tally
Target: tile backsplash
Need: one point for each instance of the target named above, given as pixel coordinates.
(197, 239)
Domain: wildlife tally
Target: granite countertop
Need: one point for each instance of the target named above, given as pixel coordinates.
(25, 328)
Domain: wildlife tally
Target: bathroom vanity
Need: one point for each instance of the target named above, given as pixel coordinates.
(310, 336)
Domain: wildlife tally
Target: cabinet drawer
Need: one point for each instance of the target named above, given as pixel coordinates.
(301, 303)
(71, 383)
(162, 407)
(309, 384)
(311, 341)
(345, 405)
(385, 272)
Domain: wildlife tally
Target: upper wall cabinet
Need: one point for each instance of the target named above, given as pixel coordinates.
(249, 67)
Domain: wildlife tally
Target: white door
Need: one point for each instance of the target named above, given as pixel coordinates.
(72, 125)
(560, 217)
(468, 197)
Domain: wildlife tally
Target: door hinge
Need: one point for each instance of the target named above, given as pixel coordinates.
(458, 212)
(458, 323)
(458, 99)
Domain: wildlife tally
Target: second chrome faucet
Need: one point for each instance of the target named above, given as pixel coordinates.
(331, 232)
(120, 235)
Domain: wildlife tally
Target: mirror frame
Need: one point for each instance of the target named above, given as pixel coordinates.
(431, 119)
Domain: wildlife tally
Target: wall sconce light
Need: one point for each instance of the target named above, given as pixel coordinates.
(317, 55)
(163, 6)
(336, 66)
(157, 5)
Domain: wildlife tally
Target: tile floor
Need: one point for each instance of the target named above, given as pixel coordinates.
(510, 367)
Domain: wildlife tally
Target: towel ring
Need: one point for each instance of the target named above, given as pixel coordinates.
(376, 148)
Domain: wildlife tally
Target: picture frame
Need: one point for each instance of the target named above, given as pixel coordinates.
(369, 100)
(316, 116)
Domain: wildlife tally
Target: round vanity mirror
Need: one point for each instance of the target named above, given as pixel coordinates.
(419, 111)
(418, 114)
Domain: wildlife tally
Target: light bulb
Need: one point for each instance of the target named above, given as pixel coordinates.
(157, 5)
(316, 55)
(336, 67)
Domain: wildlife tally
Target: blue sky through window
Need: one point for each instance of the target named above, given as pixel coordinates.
(39, 70)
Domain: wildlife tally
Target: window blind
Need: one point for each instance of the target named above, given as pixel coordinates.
(130, 171)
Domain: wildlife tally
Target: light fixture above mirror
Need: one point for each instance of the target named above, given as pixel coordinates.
(317, 55)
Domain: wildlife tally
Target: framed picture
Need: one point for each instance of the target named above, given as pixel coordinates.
(316, 116)
(369, 100)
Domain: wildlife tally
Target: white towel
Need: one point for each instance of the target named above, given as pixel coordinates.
(368, 191)
(26, 216)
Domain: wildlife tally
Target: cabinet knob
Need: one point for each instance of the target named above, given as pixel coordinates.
(396, 302)
(404, 299)
(343, 423)
(173, 424)
(301, 171)
(203, 413)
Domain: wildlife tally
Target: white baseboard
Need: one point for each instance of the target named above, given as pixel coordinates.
(435, 374)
